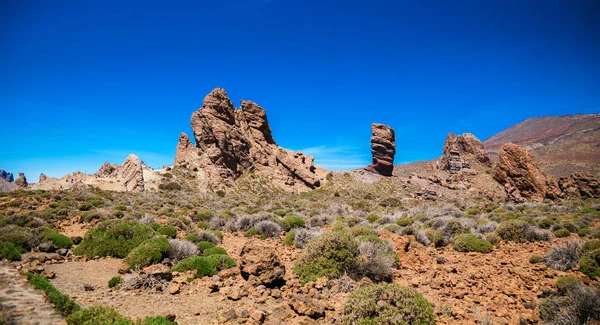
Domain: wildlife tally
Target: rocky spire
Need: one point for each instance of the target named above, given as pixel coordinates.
(383, 149)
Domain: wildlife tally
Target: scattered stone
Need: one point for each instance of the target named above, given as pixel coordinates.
(62, 251)
(174, 288)
(47, 247)
(88, 287)
(258, 315)
(306, 306)
(77, 240)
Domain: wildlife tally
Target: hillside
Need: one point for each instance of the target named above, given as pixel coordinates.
(561, 144)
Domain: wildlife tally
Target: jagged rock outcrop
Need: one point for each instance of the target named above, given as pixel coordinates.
(107, 169)
(461, 152)
(6, 176)
(579, 186)
(133, 174)
(43, 177)
(6, 186)
(21, 181)
(230, 142)
(383, 149)
(518, 172)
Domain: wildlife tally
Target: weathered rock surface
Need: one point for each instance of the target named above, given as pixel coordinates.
(6, 186)
(43, 177)
(21, 181)
(461, 152)
(579, 186)
(518, 172)
(6, 176)
(260, 264)
(133, 174)
(383, 149)
(230, 142)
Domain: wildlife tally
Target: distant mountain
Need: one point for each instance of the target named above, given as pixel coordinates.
(561, 144)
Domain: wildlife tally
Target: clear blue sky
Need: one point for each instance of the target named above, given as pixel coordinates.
(82, 82)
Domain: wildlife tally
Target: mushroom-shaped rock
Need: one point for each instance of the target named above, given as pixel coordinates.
(383, 149)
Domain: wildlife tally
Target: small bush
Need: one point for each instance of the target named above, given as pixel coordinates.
(18, 236)
(493, 238)
(97, 315)
(9, 251)
(156, 320)
(114, 238)
(115, 281)
(520, 231)
(565, 283)
(579, 304)
(204, 245)
(589, 263)
(289, 238)
(252, 232)
(304, 236)
(167, 230)
(376, 260)
(222, 262)
(280, 213)
(59, 240)
(62, 303)
(215, 251)
(584, 232)
(268, 228)
(202, 225)
(216, 233)
(203, 236)
(329, 255)
(170, 186)
(436, 237)
(202, 265)
(560, 233)
(205, 215)
(149, 252)
(290, 222)
(182, 249)
(564, 257)
(470, 243)
(404, 221)
(387, 304)
(372, 217)
(535, 259)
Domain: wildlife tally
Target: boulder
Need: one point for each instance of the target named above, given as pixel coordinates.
(579, 185)
(462, 152)
(383, 149)
(21, 181)
(132, 172)
(6, 176)
(260, 264)
(518, 172)
(231, 142)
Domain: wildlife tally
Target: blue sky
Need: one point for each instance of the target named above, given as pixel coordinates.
(87, 81)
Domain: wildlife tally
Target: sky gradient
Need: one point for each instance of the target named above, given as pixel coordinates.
(85, 82)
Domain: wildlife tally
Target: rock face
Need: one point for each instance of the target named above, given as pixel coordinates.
(383, 149)
(21, 181)
(230, 142)
(6, 176)
(461, 152)
(260, 264)
(580, 186)
(43, 177)
(518, 172)
(133, 174)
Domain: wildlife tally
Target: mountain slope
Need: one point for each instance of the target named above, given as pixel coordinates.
(561, 144)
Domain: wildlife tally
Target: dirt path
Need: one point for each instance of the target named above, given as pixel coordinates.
(21, 304)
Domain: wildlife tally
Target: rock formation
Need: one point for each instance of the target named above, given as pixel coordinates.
(383, 149)
(107, 169)
(133, 174)
(579, 186)
(21, 181)
(230, 142)
(518, 172)
(461, 152)
(6, 186)
(260, 264)
(6, 176)
(43, 177)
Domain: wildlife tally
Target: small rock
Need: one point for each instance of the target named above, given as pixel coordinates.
(258, 315)
(47, 247)
(88, 287)
(174, 288)
(77, 240)
(63, 252)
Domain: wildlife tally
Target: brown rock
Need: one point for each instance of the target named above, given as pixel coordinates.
(159, 271)
(258, 315)
(6, 176)
(43, 177)
(306, 306)
(261, 263)
(518, 172)
(132, 172)
(174, 288)
(383, 149)
(460, 152)
(21, 181)
(579, 186)
(230, 142)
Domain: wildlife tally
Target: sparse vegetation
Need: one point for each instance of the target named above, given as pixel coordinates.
(470, 243)
(149, 252)
(114, 238)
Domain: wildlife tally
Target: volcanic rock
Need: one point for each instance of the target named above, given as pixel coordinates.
(261, 265)
(107, 169)
(460, 152)
(518, 172)
(43, 177)
(230, 142)
(579, 186)
(6, 176)
(21, 181)
(133, 174)
(383, 149)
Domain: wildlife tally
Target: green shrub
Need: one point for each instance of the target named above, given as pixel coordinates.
(9, 251)
(560, 233)
(149, 252)
(21, 237)
(589, 263)
(59, 240)
(205, 215)
(170, 186)
(97, 315)
(167, 230)
(252, 232)
(201, 264)
(372, 217)
(14, 204)
(216, 233)
(564, 283)
(204, 245)
(535, 259)
(215, 251)
(202, 225)
(280, 213)
(114, 238)
(192, 236)
(221, 261)
(289, 238)
(514, 230)
(328, 255)
(115, 281)
(436, 237)
(470, 243)
(290, 222)
(157, 320)
(404, 221)
(545, 223)
(62, 303)
(493, 238)
(387, 304)
(584, 232)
